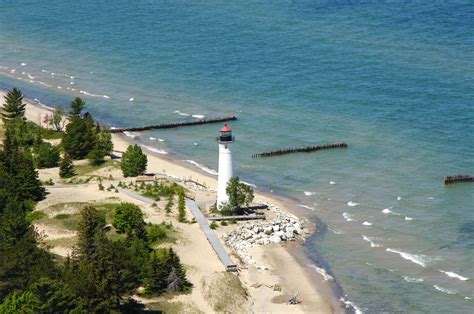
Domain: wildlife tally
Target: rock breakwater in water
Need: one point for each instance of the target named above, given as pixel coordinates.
(285, 227)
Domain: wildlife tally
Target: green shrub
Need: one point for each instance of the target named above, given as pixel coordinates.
(134, 161)
(35, 215)
(213, 225)
(46, 155)
(128, 219)
(62, 216)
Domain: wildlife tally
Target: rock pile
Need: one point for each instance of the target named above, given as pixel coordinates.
(285, 227)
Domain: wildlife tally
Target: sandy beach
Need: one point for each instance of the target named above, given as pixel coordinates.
(281, 269)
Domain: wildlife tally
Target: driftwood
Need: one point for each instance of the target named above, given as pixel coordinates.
(294, 299)
(174, 125)
(458, 178)
(305, 149)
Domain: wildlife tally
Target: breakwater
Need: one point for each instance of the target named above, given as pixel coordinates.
(304, 149)
(458, 178)
(174, 124)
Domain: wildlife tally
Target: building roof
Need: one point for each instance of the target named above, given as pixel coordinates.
(226, 128)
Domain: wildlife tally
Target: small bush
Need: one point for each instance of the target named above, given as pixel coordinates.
(223, 223)
(101, 186)
(35, 215)
(62, 216)
(213, 225)
(134, 161)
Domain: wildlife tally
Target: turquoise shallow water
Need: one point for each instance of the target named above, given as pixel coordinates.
(393, 79)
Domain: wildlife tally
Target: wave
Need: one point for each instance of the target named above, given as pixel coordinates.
(198, 116)
(445, 290)
(93, 95)
(417, 259)
(388, 211)
(332, 182)
(249, 184)
(308, 193)
(350, 304)
(399, 198)
(131, 99)
(31, 77)
(23, 64)
(156, 150)
(370, 240)
(39, 103)
(352, 204)
(307, 207)
(130, 134)
(413, 279)
(366, 223)
(408, 218)
(453, 275)
(348, 217)
(44, 84)
(323, 273)
(161, 140)
(182, 113)
(204, 168)
(152, 138)
(336, 231)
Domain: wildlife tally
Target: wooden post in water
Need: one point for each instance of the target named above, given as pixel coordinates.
(304, 149)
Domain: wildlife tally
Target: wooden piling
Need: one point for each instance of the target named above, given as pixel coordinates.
(174, 125)
(458, 178)
(304, 149)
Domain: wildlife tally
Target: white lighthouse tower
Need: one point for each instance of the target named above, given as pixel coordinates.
(226, 170)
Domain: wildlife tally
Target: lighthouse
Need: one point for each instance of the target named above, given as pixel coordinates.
(225, 164)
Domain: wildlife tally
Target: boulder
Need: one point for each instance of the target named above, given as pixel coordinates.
(275, 239)
(268, 230)
(276, 228)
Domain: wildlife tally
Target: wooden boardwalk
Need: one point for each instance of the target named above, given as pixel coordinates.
(202, 221)
(241, 217)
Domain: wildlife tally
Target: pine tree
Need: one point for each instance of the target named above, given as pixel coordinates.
(134, 161)
(66, 168)
(76, 107)
(177, 277)
(79, 138)
(102, 147)
(14, 107)
(157, 272)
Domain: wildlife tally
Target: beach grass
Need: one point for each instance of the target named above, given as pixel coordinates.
(224, 292)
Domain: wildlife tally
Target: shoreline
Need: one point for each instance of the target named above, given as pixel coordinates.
(329, 291)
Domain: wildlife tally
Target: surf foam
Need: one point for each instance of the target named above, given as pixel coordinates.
(445, 290)
(202, 167)
(308, 193)
(454, 275)
(413, 279)
(370, 240)
(352, 204)
(348, 217)
(156, 150)
(417, 259)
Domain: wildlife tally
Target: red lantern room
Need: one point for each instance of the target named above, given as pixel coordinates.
(226, 135)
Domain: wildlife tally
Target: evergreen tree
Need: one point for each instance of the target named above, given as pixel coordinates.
(14, 108)
(46, 155)
(55, 296)
(102, 147)
(25, 303)
(157, 272)
(134, 161)
(66, 168)
(91, 230)
(176, 280)
(79, 138)
(57, 120)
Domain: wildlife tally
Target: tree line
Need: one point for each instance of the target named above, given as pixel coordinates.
(102, 273)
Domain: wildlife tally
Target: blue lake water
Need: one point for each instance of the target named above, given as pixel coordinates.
(393, 79)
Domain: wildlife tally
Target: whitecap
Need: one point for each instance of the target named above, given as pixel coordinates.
(130, 134)
(23, 64)
(249, 184)
(350, 304)
(156, 150)
(182, 113)
(306, 206)
(195, 144)
(59, 87)
(152, 138)
(445, 290)
(431, 198)
(399, 198)
(131, 99)
(370, 240)
(161, 140)
(453, 275)
(44, 84)
(388, 211)
(31, 77)
(336, 231)
(417, 259)
(323, 273)
(308, 193)
(408, 218)
(332, 182)
(72, 83)
(352, 204)
(348, 217)
(198, 116)
(204, 168)
(12, 71)
(366, 223)
(106, 97)
(44, 71)
(412, 279)
(52, 73)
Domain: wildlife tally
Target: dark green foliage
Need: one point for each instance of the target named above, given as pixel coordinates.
(24, 302)
(160, 233)
(213, 225)
(18, 163)
(66, 168)
(134, 161)
(103, 146)
(55, 296)
(14, 108)
(57, 120)
(25, 133)
(46, 155)
(239, 193)
(181, 207)
(128, 219)
(21, 261)
(165, 273)
(169, 205)
(79, 139)
(35, 215)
